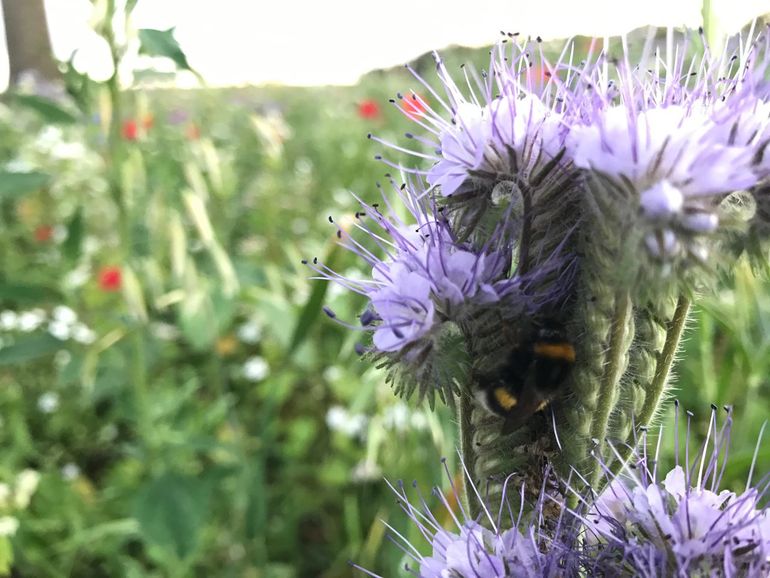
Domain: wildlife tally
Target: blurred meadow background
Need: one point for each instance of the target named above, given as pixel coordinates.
(173, 402)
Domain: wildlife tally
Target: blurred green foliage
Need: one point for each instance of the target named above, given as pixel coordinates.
(164, 364)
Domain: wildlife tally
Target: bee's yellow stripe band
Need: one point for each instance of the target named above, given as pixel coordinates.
(563, 351)
(505, 399)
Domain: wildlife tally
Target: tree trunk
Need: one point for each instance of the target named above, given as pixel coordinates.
(29, 46)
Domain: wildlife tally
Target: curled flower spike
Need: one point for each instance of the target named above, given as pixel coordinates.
(426, 283)
(505, 126)
(673, 144)
(498, 544)
(682, 524)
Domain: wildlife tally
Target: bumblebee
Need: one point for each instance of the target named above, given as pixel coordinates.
(529, 379)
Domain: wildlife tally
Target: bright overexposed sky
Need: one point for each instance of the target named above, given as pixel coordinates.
(303, 42)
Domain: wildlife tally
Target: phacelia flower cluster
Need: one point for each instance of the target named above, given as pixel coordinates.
(638, 525)
(674, 142)
(683, 524)
(497, 544)
(424, 281)
(525, 182)
(503, 126)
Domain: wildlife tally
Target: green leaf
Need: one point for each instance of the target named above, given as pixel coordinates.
(163, 43)
(256, 508)
(29, 348)
(197, 320)
(71, 246)
(14, 185)
(20, 293)
(171, 511)
(49, 110)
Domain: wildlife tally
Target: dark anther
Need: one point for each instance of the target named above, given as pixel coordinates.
(369, 135)
(304, 261)
(539, 39)
(315, 260)
(330, 219)
(329, 312)
(339, 233)
(368, 317)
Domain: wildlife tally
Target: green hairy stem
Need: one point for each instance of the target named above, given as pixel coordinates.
(625, 338)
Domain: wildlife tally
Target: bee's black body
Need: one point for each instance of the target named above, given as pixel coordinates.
(530, 377)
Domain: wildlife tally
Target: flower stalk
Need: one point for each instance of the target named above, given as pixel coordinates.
(614, 367)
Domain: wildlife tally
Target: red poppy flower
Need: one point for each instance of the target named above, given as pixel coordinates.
(368, 109)
(110, 278)
(130, 130)
(413, 105)
(43, 233)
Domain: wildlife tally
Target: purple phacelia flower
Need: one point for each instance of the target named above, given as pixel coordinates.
(502, 128)
(423, 281)
(680, 141)
(497, 544)
(678, 145)
(487, 141)
(476, 551)
(682, 525)
(425, 277)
